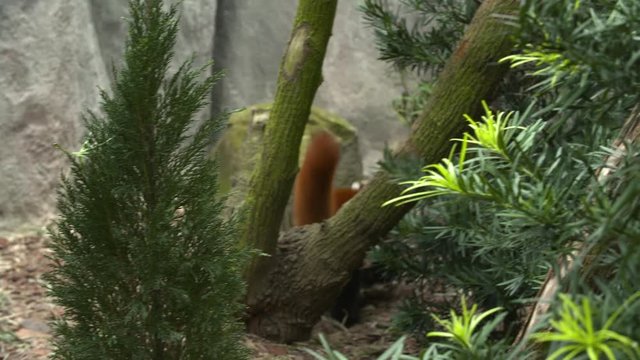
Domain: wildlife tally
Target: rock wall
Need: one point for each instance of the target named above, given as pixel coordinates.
(55, 54)
(197, 28)
(49, 69)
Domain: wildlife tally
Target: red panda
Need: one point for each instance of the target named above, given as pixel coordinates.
(315, 200)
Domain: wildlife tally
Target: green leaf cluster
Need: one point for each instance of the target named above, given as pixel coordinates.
(467, 339)
(462, 331)
(417, 38)
(145, 266)
(524, 188)
(576, 329)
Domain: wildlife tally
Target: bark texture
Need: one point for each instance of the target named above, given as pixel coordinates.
(298, 80)
(312, 263)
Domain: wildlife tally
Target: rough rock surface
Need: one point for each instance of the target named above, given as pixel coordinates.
(55, 54)
(196, 34)
(49, 69)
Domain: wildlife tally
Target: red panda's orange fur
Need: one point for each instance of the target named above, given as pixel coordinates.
(339, 197)
(315, 199)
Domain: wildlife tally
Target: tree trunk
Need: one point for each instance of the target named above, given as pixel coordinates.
(312, 263)
(271, 182)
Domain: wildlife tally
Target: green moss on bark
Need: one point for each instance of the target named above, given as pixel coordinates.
(272, 180)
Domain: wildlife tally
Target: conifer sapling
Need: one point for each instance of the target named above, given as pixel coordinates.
(145, 266)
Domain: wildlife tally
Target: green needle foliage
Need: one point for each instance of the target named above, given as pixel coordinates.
(145, 265)
(462, 329)
(467, 340)
(525, 188)
(580, 336)
(424, 43)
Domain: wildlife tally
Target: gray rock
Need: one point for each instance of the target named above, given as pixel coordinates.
(195, 37)
(55, 53)
(359, 87)
(49, 69)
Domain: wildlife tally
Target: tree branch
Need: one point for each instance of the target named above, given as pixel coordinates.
(271, 182)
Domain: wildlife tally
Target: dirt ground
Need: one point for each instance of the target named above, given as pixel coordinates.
(25, 312)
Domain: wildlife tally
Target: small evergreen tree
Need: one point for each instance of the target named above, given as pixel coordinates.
(145, 265)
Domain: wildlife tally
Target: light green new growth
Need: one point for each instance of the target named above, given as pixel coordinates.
(446, 178)
(576, 330)
(461, 329)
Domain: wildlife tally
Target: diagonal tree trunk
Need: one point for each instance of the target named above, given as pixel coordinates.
(629, 134)
(306, 271)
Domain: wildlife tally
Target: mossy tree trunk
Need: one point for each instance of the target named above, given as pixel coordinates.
(312, 263)
(299, 77)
